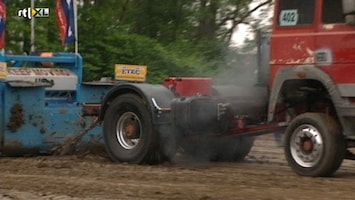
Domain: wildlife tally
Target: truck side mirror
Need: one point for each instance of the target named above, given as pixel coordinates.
(349, 11)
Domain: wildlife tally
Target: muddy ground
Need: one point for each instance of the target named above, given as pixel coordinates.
(264, 175)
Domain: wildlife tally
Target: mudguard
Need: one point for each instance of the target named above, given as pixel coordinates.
(153, 95)
(312, 73)
(157, 99)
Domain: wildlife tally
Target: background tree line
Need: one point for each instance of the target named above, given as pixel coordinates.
(173, 37)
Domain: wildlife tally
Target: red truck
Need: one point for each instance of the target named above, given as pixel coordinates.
(310, 96)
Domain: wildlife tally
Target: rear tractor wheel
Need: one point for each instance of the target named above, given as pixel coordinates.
(128, 131)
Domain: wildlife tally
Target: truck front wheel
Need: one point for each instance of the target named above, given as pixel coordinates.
(128, 131)
(314, 145)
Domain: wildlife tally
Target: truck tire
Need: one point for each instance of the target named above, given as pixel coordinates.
(128, 131)
(314, 145)
(243, 148)
(234, 149)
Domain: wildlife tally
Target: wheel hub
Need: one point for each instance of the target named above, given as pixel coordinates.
(128, 130)
(306, 145)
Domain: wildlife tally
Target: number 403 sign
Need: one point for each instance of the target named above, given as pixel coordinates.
(288, 18)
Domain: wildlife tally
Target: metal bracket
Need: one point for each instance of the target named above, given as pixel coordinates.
(158, 108)
(222, 109)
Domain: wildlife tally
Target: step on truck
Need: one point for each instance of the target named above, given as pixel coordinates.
(305, 91)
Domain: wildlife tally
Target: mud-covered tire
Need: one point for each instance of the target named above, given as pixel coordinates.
(243, 148)
(136, 144)
(314, 145)
(234, 149)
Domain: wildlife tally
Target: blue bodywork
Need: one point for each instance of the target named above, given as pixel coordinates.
(34, 119)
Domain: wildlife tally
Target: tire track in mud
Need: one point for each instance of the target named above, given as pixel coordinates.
(266, 151)
(264, 175)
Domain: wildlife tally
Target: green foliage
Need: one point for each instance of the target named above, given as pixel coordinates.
(123, 48)
(174, 38)
(18, 29)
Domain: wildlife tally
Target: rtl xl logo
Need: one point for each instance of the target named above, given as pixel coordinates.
(35, 12)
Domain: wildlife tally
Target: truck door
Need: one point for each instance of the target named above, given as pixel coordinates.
(335, 47)
(292, 40)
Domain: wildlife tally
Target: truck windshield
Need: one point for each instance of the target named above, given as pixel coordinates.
(296, 12)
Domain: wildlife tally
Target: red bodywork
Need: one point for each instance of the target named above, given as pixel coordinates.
(189, 86)
(298, 45)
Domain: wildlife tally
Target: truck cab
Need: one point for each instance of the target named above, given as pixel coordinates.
(312, 67)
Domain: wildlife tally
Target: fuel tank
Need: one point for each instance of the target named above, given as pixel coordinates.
(247, 101)
(198, 115)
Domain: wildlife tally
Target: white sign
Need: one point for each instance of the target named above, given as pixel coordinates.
(288, 18)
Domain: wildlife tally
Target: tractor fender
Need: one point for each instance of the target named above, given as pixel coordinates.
(153, 95)
(307, 72)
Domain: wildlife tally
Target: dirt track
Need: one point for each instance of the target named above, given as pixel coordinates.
(264, 175)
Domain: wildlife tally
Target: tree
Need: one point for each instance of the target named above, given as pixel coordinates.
(258, 24)
(18, 29)
(174, 38)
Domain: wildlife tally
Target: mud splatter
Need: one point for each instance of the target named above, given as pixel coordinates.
(16, 118)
